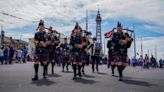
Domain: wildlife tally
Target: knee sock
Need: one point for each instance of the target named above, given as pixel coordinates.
(53, 64)
(123, 67)
(36, 67)
(120, 69)
(79, 70)
(93, 69)
(44, 70)
(74, 70)
(112, 68)
(83, 68)
(63, 66)
(67, 66)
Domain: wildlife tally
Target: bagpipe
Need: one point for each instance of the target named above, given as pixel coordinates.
(84, 37)
(40, 39)
(127, 39)
(110, 33)
(85, 40)
(41, 23)
(53, 31)
(121, 39)
(52, 37)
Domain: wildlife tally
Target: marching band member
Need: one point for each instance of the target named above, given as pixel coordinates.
(40, 53)
(77, 45)
(54, 42)
(86, 43)
(66, 54)
(121, 42)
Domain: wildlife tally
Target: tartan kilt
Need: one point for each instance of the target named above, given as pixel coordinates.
(84, 56)
(65, 59)
(41, 55)
(65, 56)
(51, 54)
(110, 57)
(123, 55)
(77, 56)
(118, 57)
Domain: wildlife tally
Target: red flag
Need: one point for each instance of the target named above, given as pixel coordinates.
(109, 34)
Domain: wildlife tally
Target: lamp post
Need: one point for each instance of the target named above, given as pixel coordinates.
(134, 38)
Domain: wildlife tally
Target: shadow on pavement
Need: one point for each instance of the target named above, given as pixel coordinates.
(67, 72)
(123, 77)
(101, 73)
(42, 82)
(85, 81)
(53, 75)
(88, 76)
(136, 82)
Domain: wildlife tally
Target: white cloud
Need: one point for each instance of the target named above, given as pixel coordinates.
(22, 36)
(149, 43)
(67, 10)
(151, 27)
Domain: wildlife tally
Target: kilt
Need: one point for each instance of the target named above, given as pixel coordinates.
(118, 57)
(84, 56)
(51, 54)
(66, 56)
(110, 58)
(41, 55)
(114, 57)
(77, 56)
(123, 57)
(65, 59)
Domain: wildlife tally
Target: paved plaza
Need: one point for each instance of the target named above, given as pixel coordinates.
(17, 78)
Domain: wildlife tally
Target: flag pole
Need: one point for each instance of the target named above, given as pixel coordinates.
(134, 41)
(141, 47)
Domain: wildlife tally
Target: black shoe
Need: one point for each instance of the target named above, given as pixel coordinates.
(52, 71)
(120, 79)
(108, 66)
(74, 78)
(44, 77)
(35, 78)
(80, 76)
(41, 63)
(62, 70)
(83, 71)
(112, 73)
(93, 71)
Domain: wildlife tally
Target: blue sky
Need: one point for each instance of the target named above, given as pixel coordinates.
(20, 18)
(107, 25)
